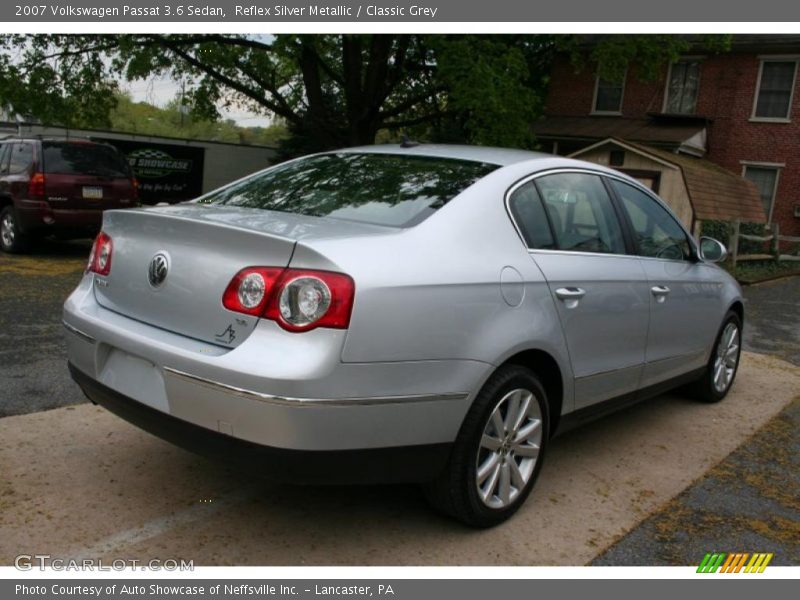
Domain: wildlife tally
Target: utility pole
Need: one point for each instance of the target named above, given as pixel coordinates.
(182, 106)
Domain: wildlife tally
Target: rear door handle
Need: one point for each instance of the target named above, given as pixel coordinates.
(570, 296)
(660, 292)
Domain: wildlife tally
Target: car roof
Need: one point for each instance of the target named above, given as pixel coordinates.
(485, 154)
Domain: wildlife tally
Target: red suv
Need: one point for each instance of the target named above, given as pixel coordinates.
(60, 187)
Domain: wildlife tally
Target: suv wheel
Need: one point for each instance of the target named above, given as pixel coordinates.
(11, 238)
(717, 379)
(498, 452)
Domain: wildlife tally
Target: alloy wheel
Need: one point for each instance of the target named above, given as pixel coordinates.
(509, 449)
(7, 230)
(727, 357)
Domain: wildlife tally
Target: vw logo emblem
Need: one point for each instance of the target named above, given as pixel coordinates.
(159, 267)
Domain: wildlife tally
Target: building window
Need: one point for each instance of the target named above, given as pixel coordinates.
(608, 96)
(775, 89)
(766, 180)
(616, 158)
(682, 85)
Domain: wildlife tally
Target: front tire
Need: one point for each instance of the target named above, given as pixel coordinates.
(498, 453)
(717, 380)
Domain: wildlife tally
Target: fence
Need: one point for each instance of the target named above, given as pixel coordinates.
(774, 238)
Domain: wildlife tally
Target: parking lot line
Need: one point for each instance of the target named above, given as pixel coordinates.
(202, 511)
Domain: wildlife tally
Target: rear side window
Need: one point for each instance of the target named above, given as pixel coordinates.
(383, 189)
(21, 158)
(79, 158)
(4, 158)
(528, 212)
(658, 234)
(581, 214)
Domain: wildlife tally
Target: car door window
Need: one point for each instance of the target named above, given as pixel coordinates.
(528, 213)
(4, 158)
(658, 234)
(21, 158)
(581, 214)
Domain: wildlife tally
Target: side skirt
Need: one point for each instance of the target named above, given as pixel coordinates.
(601, 409)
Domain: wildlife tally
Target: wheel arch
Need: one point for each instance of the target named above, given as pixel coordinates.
(546, 368)
(738, 308)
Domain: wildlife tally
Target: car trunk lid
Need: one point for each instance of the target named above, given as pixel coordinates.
(204, 247)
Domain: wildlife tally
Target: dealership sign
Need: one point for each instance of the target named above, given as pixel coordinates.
(166, 172)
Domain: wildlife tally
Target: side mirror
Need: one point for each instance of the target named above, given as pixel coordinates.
(712, 250)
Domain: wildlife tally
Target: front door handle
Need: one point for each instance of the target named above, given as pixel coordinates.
(659, 292)
(570, 296)
(570, 293)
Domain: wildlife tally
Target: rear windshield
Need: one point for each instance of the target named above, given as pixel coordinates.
(72, 158)
(384, 189)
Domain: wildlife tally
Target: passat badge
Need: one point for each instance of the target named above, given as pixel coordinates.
(159, 267)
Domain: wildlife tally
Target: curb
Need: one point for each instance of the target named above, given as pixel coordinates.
(767, 279)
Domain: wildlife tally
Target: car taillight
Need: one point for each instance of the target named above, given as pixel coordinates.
(36, 186)
(135, 185)
(100, 257)
(250, 289)
(297, 299)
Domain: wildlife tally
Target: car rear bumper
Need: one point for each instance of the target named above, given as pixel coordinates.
(37, 216)
(286, 391)
(375, 465)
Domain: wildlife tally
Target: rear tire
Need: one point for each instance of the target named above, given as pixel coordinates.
(12, 240)
(717, 379)
(498, 453)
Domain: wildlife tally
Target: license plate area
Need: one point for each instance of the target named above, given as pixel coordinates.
(135, 378)
(92, 192)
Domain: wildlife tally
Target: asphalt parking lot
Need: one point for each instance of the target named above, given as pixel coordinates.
(661, 483)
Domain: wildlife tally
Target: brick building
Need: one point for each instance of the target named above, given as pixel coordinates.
(739, 110)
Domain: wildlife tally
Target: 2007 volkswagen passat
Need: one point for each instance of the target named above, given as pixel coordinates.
(430, 314)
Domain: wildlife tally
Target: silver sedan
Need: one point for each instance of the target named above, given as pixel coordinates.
(421, 313)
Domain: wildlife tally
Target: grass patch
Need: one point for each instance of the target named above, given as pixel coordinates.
(760, 270)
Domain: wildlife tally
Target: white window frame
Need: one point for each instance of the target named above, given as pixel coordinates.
(682, 59)
(616, 113)
(795, 58)
(777, 167)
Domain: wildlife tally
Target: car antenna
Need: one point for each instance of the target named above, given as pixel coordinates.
(407, 142)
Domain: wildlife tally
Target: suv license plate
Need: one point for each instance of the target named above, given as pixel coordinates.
(93, 192)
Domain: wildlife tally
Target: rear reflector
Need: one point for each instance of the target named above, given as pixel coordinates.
(297, 299)
(100, 257)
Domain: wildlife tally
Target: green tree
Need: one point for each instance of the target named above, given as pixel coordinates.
(172, 121)
(329, 90)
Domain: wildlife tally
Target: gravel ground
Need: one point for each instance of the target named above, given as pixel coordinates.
(77, 481)
(773, 318)
(33, 360)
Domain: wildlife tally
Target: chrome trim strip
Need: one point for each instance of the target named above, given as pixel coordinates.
(309, 402)
(84, 336)
(610, 255)
(686, 357)
(610, 371)
(581, 253)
